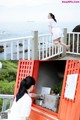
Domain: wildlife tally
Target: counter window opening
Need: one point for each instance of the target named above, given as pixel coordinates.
(49, 84)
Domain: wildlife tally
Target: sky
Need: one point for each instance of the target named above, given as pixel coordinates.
(37, 10)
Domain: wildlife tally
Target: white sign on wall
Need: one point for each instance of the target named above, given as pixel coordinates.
(45, 90)
(71, 86)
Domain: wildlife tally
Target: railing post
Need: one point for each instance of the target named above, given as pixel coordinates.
(5, 101)
(5, 56)
(64, 41)
(11, 102)
(11, 50)
(35, 46)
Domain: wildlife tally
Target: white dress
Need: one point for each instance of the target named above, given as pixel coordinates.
(21, 109)
(57, 32)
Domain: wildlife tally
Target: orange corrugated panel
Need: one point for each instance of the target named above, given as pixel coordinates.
(34, 116)
(63, 106)
(48, 114)
(77, 106)
(38, 114)
(68, 108)
(35, 71)
(25, 68)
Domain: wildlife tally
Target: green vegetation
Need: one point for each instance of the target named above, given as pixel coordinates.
(1, 101)
(7, 87)
(7, 77)
(57, 88)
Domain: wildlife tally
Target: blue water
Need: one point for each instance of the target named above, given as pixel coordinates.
(22, 29)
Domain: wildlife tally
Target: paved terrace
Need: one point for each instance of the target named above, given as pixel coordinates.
(67, 57)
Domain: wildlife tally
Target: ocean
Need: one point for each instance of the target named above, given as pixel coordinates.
(23, 29)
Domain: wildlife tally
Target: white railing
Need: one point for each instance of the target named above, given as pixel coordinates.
(32, 47)
(47, 49)
(16, 48)
(73, 39)
(6, 99)
(38, 46)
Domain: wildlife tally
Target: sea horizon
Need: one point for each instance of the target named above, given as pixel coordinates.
(10, 30)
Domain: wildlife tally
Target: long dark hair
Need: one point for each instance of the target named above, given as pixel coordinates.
(25, 84)
(53, 17)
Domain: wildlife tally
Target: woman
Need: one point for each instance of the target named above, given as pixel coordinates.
(56, 31)
(21, 107)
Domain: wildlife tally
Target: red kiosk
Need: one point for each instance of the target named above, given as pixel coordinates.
(69, 107)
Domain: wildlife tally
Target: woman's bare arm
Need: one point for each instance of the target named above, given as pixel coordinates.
(28, 119)
(35, 95)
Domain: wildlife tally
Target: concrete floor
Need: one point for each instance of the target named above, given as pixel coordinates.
(68, 57)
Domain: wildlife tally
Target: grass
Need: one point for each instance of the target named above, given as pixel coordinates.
(12, 65)
(7, 78)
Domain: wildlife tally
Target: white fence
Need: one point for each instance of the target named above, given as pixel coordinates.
(38, 46)
(32, 47)
(73, 39)
(7, 100)
(16, 48)
(47, 49)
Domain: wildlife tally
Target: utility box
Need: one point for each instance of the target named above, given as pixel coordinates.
(49, 74)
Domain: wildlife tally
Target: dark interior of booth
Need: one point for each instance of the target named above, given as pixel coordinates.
(50, 75)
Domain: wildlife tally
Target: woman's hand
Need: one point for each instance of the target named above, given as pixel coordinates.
(27, 119)
(38, 95)
(57, 40)
(35, 95)
(8, 110)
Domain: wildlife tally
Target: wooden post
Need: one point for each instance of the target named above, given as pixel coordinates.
(35, 46)
(64, 41)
